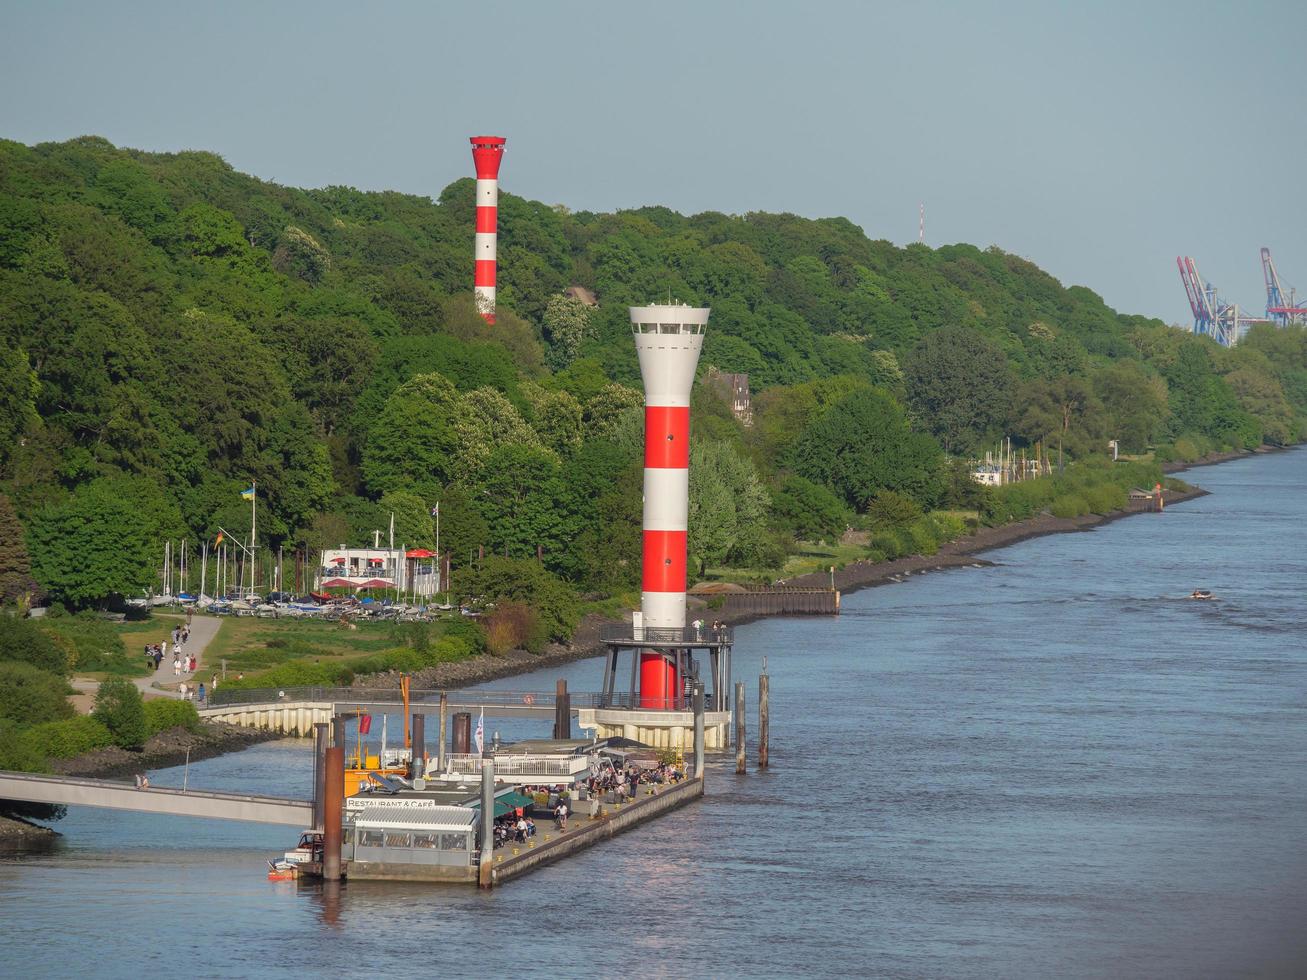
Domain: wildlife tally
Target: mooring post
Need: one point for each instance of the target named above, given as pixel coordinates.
(764, 683)
(698, 729)
(562, 710)
(462, 733)
(417, 766)
(739, 726)
(319, 771)
(444, 718)
(333, 802)
(486, 866)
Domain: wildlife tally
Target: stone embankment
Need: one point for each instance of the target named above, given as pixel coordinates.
(162, 751)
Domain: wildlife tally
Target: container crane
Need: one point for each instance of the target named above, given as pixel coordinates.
(1213, 317)
(1281, 310)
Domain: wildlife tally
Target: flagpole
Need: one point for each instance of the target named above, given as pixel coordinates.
(254, 510)
(204, 569)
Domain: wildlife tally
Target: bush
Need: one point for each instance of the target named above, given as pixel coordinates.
(888, 509)
(1068, 505)
(512, 625)
(30, 696)
(93, 645)
(1105, 499)
(119, 708)
(18, 754)
(22, 642)
(886, 544)
(162, 714)
(65, 739)
(922, 533)
(298, 673)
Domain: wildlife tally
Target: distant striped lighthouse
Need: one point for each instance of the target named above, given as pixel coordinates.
(668, 340)
(487, 152)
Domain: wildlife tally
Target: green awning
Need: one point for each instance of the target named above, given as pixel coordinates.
(508, 803)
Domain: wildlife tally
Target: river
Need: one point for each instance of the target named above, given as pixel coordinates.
(1058, 766)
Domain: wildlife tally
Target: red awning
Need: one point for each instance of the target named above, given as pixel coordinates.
(337, 583)
(419, 553)
(376, 583)
(338, 561)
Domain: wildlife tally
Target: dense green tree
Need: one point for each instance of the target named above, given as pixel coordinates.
(728, 505)
(105, 539)
(496, 579)
(413, 444)
(119, 708)
(17, 587)
(958, 384)
(863, 445)
(414, 526)
(1134, 401)
(810, 510)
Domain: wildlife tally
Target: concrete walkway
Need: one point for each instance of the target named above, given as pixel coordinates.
(203, 630)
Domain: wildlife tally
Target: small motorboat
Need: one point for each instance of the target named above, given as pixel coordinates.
(282, 871)
(1201, 594)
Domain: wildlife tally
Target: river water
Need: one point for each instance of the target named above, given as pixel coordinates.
(1058, 766)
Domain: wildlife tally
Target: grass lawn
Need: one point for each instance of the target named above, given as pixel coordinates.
(250, 645)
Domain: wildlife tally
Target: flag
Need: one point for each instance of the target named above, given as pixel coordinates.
(218, 540)
(481, 733)
(247, 494)
(435, 511)
(365, 724)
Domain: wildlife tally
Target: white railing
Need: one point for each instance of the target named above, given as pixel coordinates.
(522, 765)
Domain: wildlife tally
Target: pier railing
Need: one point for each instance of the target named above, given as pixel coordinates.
(458, 700)
(521, 765)
(627, 635)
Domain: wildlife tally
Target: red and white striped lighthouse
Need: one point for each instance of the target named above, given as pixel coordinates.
(487, 152)
(668, 340)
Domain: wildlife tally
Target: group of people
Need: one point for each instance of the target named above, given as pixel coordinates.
(517, 827)
(716, 628)
(185, 691)
(181, 663)
(625, 781)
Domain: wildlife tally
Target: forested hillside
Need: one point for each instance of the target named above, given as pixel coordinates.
(174, 330)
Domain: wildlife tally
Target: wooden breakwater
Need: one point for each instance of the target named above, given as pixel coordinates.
(775, 601)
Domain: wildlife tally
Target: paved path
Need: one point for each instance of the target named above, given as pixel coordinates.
(203, 630)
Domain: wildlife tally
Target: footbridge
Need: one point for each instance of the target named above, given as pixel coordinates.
(72, 791)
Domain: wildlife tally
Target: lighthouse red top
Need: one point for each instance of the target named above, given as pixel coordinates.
(487, 152)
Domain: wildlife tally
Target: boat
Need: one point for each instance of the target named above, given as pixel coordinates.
(307, 851)
(363, 765)
(1201, 594)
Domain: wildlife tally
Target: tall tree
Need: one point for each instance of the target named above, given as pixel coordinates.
(958, 384)
(17, 586)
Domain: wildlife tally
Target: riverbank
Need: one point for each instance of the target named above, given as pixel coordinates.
(169, 748)
(962, 552)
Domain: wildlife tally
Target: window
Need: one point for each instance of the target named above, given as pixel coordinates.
(669, 328)
(453, 842)
(426, 841)
(371, 838)
(398, 839)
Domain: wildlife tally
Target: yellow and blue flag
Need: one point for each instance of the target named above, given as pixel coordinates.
(247, 494)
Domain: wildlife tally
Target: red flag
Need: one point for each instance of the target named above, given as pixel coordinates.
(365, 724)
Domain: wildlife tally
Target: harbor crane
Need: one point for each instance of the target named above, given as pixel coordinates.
(1281, 309)
(1224, 322)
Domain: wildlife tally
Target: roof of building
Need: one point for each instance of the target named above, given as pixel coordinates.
(450, 818)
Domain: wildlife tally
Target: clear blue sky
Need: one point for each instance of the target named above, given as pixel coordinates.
(1099, 140)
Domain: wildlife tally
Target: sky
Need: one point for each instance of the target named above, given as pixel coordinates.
(1098, 140)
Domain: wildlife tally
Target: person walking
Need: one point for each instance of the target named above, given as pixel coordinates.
(184, 691)
(200, 694)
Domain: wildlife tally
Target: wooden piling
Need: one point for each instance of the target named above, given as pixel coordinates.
(444, 731)
(333, 803)
(763, 718)
(462, 733)
(739, 726)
